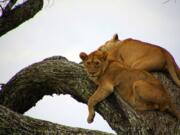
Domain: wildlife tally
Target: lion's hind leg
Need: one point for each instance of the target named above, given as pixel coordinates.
(147, 94)
(154, 97)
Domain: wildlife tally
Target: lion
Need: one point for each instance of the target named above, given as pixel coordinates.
(142, 55)
(138, 88)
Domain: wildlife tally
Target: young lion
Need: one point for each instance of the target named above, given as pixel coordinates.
(138, 88)
(141, 55)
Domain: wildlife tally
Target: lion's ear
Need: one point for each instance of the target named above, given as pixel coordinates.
(115, 37)
(83, 56)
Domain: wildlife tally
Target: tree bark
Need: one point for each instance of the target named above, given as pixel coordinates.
(13, 17)
(12, 123)
(57, 75)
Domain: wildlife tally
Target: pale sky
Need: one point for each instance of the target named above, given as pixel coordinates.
(67, 27)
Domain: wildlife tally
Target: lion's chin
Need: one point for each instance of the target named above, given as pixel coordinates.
(94, 75)
(94, 78)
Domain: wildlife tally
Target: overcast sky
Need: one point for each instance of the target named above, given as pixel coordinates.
(67, 27)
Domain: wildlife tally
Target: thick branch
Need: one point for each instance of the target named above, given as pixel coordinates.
(60, 76)
(19, 14)
(12, 123)
(9, 6)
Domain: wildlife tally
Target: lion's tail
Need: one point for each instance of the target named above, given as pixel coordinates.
(172, 68)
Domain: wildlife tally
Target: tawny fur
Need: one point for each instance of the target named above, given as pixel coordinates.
(141, 55)
(138, 88)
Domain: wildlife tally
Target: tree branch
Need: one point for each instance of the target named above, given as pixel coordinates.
(19, 14)
(9, 6)
(60, 76)
(13, 123)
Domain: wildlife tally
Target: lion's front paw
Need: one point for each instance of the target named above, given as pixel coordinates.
(90, 118)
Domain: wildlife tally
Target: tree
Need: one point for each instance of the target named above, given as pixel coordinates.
(16, 124)
(60, 76)
(12, 16)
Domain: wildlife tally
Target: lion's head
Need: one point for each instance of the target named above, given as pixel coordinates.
(108, 45)
(95, 63)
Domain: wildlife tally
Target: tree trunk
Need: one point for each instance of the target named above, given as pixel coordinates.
(57, 75)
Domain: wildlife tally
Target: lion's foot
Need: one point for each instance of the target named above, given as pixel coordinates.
(90, 118)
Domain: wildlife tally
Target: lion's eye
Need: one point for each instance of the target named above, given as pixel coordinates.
(97, 63)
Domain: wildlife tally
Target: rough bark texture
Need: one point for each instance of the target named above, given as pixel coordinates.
(17, 124)
(60, 76)
(13, 17)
